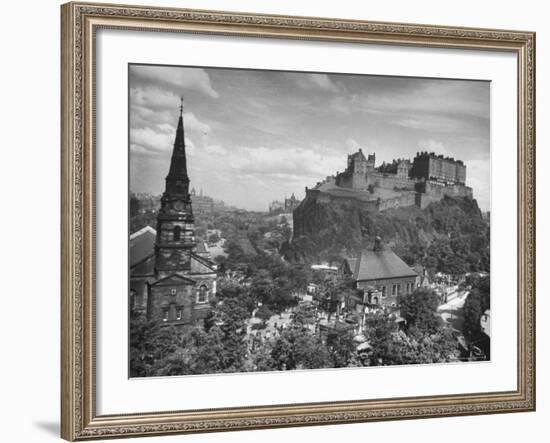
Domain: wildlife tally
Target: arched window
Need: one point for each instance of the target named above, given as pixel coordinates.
(203, 294)
(177, 233)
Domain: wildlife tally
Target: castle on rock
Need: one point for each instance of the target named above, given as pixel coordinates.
(428, 178)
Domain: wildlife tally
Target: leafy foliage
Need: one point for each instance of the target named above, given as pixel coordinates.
(448, 236)
(419, 309)
(477, 302)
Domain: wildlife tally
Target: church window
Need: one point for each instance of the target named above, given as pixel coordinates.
(203, 294)
(394, 290)
(177, 233)
(178, 314)
(165, 315)
(173, 291)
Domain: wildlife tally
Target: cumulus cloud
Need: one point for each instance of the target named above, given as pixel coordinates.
(149, 141)
(253, 136)
(278, 162)
(173, 79)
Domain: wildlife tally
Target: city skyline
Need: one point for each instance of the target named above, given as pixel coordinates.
(254, 136)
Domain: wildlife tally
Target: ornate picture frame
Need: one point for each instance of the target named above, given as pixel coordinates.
(80, 22)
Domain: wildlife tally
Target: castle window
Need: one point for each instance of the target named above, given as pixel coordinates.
(177, 233)
(202, 294)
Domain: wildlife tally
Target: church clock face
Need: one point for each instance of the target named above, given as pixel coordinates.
(179, 206)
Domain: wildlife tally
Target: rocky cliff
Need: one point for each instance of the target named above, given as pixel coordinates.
(449, 235)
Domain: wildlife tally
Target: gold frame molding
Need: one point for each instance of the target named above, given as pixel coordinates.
(79, 22)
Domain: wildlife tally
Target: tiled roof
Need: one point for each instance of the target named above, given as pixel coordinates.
(378, 265)
(142, 244)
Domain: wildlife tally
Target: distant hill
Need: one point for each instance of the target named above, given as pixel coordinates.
(449, 236)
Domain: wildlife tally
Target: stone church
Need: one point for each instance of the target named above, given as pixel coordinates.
(169, 278)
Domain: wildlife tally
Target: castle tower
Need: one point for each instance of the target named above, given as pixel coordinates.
(371, 160)
(175, 229)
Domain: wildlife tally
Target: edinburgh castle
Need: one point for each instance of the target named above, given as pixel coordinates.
(428, 178)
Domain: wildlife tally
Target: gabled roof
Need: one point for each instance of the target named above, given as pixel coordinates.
(380, 264)
(204, 261)
(144, 268)
(142, 244)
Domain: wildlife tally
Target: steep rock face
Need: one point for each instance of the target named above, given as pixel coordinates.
(327, 231)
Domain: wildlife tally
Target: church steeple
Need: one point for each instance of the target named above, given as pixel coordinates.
(175, 222)
(177, 180)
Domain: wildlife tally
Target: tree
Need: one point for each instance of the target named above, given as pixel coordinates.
(233, 315)
(342, 349)
(477, 302)
(150, 343)
(298, 348)
(419, 309)
(422, 347)
(264, 313)
(378, 331)
(472, 312)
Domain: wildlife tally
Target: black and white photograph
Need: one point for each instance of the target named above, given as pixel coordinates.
(283, 220)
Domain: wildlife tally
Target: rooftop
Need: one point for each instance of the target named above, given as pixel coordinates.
(142, 244)
(378, 265)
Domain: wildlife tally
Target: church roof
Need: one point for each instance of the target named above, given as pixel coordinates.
(145, 268)
(378, 265)
(209, 264)
(142, 244)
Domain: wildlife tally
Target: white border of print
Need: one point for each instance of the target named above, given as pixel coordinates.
(118, 394)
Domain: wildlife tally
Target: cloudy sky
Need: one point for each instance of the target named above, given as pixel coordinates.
(256, 136)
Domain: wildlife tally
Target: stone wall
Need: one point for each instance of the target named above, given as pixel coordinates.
(177, 302)
(429, 192)
(407, 198)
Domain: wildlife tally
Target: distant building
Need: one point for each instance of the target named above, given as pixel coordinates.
(141, 203)
(381, 275)
(276, 207)
(170, 278)
(201, 203)
(429, 166)
(291, 203)
(287, 206)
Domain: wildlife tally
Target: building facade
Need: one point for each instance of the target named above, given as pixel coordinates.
(381, 275)
(174, 282)
(429, 166)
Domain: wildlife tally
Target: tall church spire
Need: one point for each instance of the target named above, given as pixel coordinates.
(175, 222)
(178, 163)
